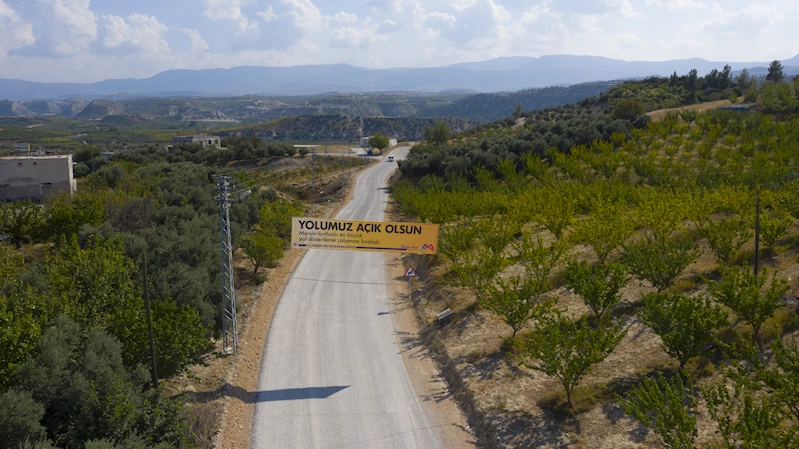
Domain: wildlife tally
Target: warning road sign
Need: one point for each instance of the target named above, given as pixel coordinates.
(410, 272)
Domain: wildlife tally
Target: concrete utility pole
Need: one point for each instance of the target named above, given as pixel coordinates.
(230, 334)
(313, 178)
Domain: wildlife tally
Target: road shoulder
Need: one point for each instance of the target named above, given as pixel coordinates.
(236, 418)
(431, 388)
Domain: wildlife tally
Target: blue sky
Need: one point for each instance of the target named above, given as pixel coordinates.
(91, 40)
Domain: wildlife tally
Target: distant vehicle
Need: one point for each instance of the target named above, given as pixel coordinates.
(391, 159)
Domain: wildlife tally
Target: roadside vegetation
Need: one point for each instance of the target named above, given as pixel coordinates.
(600, 267)
(74, 351)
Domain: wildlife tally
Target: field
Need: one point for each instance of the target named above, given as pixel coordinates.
(592, 285)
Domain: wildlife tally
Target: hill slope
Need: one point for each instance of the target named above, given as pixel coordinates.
(499, 75)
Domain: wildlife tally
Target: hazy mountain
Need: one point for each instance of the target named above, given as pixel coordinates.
(497, 75)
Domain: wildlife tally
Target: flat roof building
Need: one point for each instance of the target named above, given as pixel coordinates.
(35, 177)
(203, 139)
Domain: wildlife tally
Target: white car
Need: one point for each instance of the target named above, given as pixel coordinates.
(390, 159)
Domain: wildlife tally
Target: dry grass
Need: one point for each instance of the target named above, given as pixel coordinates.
(660, 114)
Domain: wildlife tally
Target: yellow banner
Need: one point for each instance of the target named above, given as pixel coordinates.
(411, 238)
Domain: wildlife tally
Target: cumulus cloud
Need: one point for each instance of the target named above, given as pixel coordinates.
(675, 4)
(14, 32)
(230, 10)
(355, 37)
(391, 6)
(304, 14)
(139, 33)
(61, 28)
(387, 33)
(198, 44)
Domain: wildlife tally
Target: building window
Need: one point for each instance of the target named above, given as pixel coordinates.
(19, 164)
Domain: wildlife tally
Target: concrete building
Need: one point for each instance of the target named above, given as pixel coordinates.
(203, 139)
(35, 177)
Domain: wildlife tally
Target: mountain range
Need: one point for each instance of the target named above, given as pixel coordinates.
(496, 75)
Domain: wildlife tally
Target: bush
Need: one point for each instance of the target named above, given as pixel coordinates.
(665, 406)
(566, 350)
(20, 419)
(685, 324)
(747, 295)
(628, 110)
(598, 284)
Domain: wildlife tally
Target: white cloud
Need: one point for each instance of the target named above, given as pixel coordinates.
(675, 4)
(304, 14)
(389, 33)
(440, 20)
(139, 33)
(61, 28)
(268, 15)
(198, 44)
(390, 6)
(352, 37)
(14, 32)
(230, 10)
(343, 17)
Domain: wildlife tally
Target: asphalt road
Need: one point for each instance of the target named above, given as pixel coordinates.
(332, 376)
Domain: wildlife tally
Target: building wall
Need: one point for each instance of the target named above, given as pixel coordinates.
(206, 141)
(35, 177)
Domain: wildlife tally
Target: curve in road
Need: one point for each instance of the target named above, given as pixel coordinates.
(332, 376)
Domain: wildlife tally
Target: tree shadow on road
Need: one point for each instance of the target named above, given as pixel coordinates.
(252, 397)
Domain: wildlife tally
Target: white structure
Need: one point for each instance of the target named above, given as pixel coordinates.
(365, 142)
(35, 177)
(203, 139)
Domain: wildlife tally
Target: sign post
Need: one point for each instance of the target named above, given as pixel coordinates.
(410, 273)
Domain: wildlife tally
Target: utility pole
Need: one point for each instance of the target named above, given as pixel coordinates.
(757, 231)
(230, 334)
(154, 367)
(313, 179)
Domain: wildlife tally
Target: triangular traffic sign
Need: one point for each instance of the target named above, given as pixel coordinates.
(410, 272)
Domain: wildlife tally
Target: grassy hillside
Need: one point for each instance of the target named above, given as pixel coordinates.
(601, 287)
